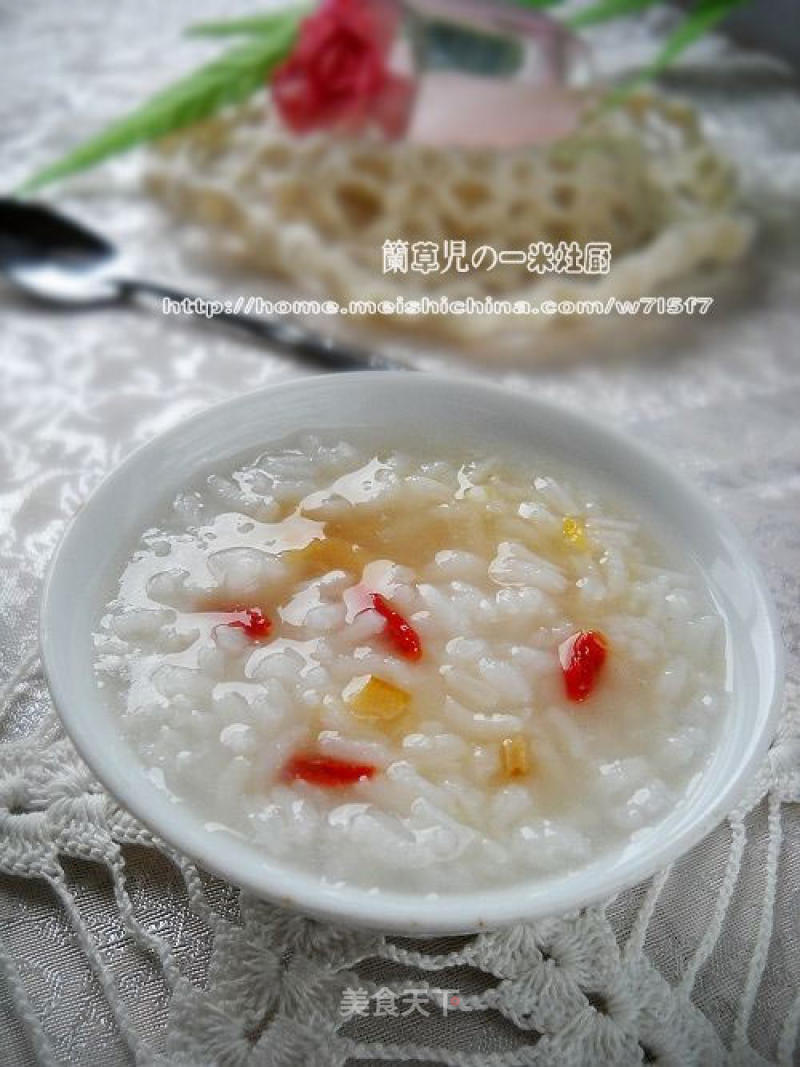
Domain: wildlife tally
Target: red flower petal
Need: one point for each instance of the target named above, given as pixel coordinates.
(337, 74)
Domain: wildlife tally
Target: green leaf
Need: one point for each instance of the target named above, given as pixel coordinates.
(607, 9)
(704, 18)
(226, 80)
(257, 24)
(539, 3)
(706, 15)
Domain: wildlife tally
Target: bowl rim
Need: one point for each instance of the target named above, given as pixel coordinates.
(414, 913)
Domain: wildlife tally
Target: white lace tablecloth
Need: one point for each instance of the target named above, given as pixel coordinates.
(114, 950)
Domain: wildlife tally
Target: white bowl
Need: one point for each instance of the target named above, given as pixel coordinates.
(424, 410)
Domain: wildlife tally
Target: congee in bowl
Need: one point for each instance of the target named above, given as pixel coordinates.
(421, 669)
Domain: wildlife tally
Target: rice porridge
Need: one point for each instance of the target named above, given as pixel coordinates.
(414, 671)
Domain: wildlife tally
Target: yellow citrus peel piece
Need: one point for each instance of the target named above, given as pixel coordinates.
(515, 755)
(574, 531)
(371, 697)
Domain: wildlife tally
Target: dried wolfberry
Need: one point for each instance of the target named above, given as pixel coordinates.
(325, 771)
(582, 657)
(257, 627)
(400, 632)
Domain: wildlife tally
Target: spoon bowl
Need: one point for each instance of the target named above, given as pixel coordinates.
(58, 261)
(55, 259)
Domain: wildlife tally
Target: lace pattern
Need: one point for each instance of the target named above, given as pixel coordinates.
(317, 210)
(577, 989)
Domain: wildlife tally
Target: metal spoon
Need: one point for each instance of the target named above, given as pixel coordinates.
(60, 262)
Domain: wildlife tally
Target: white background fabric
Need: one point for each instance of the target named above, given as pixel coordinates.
(111, 952)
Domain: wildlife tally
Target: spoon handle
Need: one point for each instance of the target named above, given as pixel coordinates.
(285, 335)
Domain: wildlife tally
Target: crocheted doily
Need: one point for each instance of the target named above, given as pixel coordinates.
(317, 209)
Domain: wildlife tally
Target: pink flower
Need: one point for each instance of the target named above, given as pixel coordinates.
(337, 74)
